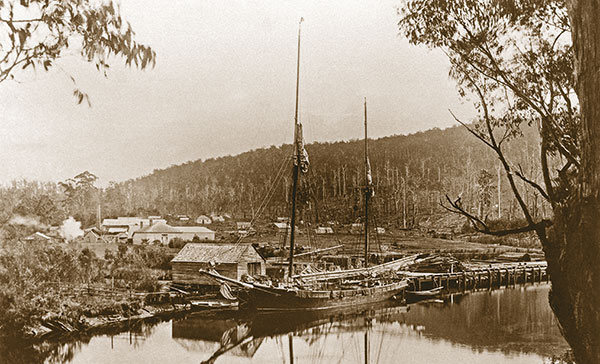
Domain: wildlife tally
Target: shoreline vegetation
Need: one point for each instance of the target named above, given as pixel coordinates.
(68, 288)
(63, 288)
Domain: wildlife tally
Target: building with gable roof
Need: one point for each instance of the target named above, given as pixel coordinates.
(164, 233)
(203, 220)
(229, 260)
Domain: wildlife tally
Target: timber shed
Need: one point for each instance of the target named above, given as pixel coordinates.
(230, 260)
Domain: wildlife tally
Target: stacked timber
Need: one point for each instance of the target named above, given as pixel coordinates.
(436, 263)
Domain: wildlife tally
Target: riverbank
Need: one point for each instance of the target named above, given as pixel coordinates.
(508, 325)
(98, 324)
(60, 288)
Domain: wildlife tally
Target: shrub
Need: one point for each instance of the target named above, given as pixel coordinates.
(177, 243)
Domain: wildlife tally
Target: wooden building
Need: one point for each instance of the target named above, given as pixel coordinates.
(282, 227)
(230, 260)
(93, 235)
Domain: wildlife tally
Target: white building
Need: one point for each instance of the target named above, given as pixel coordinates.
(129, 224)
(203, 220)
(164, 233)
(324, 230)
(217, 218)
(189, 232)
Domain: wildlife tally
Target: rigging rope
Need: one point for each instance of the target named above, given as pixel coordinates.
(265, 200)
(335, 233)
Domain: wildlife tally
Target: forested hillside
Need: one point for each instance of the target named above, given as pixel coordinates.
(411, 174)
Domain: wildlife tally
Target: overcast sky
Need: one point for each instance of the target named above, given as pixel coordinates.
(224, 83)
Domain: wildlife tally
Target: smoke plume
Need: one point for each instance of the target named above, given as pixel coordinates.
(31, 221)
(70, 229)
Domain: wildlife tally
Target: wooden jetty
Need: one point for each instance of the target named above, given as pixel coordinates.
(481, 277)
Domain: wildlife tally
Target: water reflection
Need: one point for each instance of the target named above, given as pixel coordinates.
(511, 320)
(506, 326)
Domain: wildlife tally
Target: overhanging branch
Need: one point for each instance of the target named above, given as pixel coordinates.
(481, 227)
(538, 188)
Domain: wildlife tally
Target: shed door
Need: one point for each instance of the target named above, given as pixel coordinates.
(254, 269)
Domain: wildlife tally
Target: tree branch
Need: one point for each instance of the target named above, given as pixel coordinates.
(483, 228)
(539, 188)
(477, 135)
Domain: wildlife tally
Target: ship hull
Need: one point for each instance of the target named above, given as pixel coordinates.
(272, 299)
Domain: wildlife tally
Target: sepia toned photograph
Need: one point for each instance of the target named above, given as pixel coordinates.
(277, 181)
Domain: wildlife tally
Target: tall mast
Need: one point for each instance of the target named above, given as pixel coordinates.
(295, 166)
(367, 190)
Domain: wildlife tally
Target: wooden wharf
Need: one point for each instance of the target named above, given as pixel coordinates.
(491, 276)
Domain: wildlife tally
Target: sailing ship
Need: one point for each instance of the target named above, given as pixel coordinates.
(324, 290)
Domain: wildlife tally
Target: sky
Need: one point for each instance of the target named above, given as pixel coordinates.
(224, 83)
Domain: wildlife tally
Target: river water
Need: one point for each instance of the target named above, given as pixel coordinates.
(513, 325)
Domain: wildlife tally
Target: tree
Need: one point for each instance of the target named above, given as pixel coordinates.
(484, 184)
(516, 59)
(81, 195)
(34, 33)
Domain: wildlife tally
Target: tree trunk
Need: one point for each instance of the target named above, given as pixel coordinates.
(573, 246)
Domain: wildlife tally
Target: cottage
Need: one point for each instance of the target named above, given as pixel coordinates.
(324, 230)
(203, 220)
(282, 227)
(244, 225)
(92, 235)
(230, 260)
(217, 218)
(160, 232)
(356, 228)
(155, 220)
(244, 228)
(182, 218)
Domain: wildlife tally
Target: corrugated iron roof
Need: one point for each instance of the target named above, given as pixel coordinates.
(160, 227)
(282, 225)
(193, 229)
(126, 220)
(220, 253)
(38, 235)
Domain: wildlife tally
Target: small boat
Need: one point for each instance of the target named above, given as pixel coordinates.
(211, 304)
(421, 295)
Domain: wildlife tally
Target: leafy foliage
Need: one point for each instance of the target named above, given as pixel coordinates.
(40, 281)
(535, 62)
(515, 58)
(35, 33)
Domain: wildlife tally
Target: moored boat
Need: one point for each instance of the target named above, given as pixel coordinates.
(414, 296)
(325, 290)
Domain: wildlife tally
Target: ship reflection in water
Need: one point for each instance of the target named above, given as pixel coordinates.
(505, 326)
